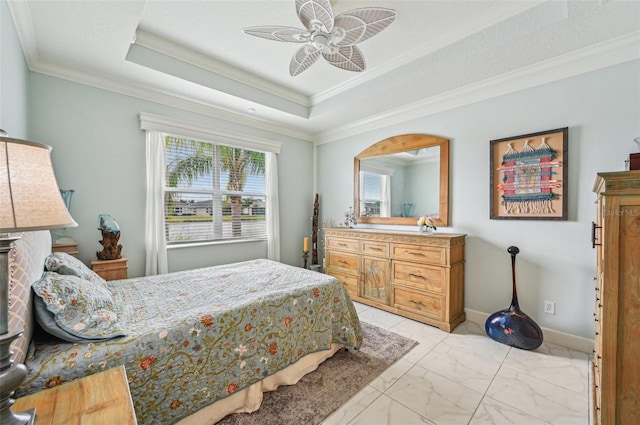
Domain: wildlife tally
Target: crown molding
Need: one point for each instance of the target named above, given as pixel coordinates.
(430, 46)
(153, 94)
(612, 52)
(26, 34)
(609, 53)
(184, 54)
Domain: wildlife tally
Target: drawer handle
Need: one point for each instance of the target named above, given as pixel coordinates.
(342, 244)
(343, 262)
(423, 304)
(417, 254)
(417, 275)
(594, 239)
(375, 249)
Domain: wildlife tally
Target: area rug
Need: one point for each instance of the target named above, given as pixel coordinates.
(321, 392)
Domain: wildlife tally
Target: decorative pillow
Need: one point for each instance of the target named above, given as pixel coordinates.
(81, 308)
(47, 321)
(63, 263)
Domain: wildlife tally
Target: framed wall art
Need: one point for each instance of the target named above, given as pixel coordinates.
(529, 176)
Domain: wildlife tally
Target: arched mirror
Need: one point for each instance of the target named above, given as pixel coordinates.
(401, 178)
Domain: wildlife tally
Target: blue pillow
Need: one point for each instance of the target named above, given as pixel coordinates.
(80, 308)
(63, 263)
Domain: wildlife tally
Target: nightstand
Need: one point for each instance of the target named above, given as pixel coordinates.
(69, 248)
(101, 398)
(110, 269)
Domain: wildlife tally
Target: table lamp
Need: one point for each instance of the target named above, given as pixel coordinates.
(29, 200)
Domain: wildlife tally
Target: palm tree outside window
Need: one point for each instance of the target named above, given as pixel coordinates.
(213, 192)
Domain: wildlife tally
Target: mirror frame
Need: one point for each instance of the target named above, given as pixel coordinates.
(402, 143)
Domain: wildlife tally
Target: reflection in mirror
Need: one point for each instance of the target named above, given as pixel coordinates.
(403, 184)
(403, 177)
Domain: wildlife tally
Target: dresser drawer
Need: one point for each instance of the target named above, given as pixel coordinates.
(423, 254)
(418, 276)
(375, 249)
(349, 281)
(351, 245)
(343, 262)
(422, 302)
(401, 272)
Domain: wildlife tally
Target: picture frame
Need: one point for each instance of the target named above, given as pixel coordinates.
(529, 176)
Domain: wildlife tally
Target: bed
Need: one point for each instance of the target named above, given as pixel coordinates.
(197, 345)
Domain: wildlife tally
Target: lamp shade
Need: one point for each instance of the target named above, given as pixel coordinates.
(29, 195)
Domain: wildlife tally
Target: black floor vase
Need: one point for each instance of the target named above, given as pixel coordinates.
(512, 326)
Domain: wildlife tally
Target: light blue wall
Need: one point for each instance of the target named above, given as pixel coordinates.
(423, 187)
(556, 261)
(14, 77)
(99, 151)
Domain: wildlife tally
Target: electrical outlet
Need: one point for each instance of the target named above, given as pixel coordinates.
(550, 307)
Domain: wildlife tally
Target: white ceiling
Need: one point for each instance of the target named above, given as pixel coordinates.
(436, 55)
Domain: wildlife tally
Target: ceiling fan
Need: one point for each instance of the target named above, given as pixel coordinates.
(333, 39)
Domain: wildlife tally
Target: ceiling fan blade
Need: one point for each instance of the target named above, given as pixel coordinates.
(303, 59)
(361, 24)
(315, 10)
(347, 57)
(287, 34)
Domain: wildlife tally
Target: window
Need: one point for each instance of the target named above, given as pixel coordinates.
(376, 197)
(213, 192)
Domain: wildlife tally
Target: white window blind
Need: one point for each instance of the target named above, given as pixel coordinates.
(213, 192)
(375, 199)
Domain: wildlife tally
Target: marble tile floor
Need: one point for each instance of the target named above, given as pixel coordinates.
(464, 377)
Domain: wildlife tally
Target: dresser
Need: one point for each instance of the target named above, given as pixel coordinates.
(411, 274)
(616, 360)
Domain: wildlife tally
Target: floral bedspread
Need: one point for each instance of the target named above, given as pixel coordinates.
(197, 336)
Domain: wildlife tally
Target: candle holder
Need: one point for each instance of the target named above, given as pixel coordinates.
(305, 256)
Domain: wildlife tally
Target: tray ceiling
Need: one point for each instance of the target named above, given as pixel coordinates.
(436, 55)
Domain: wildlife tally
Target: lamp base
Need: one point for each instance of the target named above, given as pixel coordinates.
(11, 376)
(28, 417)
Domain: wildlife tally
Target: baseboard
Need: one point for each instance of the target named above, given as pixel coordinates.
(553, 336)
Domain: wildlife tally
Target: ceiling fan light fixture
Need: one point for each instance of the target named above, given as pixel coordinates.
(333, 38)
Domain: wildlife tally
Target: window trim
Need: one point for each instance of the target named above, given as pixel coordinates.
(182, 129)
(153, 122)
